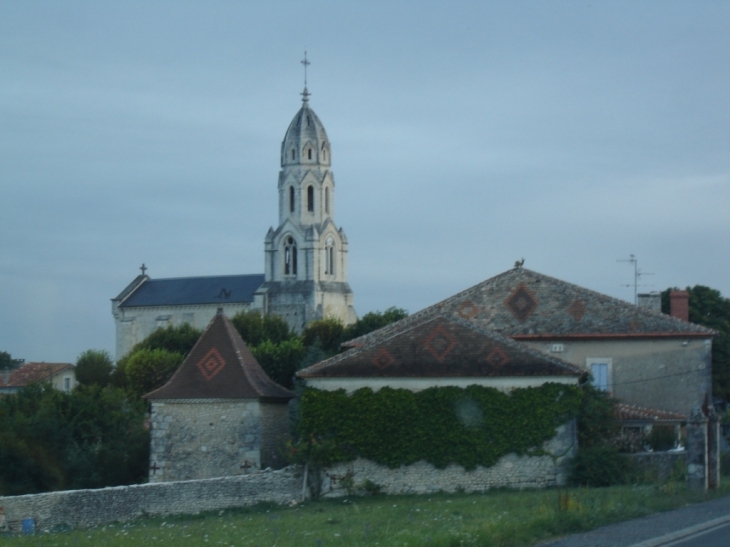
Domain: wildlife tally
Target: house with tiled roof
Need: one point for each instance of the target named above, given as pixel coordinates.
(438, 351)
(641, 356)
(305, 258)
(219, 414)
(61, 376)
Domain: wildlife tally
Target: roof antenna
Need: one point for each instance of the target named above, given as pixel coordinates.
(637, 274)
(305, 94)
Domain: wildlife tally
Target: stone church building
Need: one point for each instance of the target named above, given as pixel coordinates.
(305, 257)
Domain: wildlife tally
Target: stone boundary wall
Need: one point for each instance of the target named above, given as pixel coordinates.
(86, 508)
(511, 471)
(660, 463)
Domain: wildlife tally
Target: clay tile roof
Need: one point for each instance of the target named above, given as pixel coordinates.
(31, 373)
(633, 413)
(220, 366)
(441, 347)
(523, 304)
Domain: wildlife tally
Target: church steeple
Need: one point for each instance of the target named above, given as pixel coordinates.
(307, 248)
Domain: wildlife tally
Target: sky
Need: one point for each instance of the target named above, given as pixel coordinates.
(465, 135)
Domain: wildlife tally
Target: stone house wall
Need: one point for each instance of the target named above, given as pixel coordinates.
(672, 374)
(204, 438)
(86, 508)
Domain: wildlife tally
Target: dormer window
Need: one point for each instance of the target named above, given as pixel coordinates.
(290, 257)
(310, 199)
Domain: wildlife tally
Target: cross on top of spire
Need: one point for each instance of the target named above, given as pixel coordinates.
(305, 94)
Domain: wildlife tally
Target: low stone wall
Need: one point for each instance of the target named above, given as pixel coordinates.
(85, 508)
(662, 465)
(511, 471)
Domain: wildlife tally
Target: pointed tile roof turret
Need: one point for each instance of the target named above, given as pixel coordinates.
(220, 366)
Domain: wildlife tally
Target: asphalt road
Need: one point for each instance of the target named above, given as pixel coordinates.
(682, 527)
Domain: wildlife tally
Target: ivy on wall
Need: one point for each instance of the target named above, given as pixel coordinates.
(441, 425)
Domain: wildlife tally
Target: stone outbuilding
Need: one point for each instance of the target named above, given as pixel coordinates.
(220, 414)
(641, 356)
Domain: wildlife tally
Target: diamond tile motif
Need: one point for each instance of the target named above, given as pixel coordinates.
(521, 303)
(211, 364)
(497, 358)
(383, 359)
(439, 343)
(577, 309)
(467, 310)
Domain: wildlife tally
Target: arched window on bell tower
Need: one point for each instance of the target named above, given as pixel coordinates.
(290, 256)
(291, 199)
(329, 256)
(310, 199)
(327, 200)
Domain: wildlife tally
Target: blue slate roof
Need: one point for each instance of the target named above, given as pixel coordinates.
(182, 291)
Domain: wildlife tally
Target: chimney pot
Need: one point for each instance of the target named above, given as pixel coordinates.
(679, 305)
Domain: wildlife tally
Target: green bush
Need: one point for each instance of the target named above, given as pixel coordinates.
(600, 466)
(148, 369)
(441, 425)
(94, 367)
(662, 438)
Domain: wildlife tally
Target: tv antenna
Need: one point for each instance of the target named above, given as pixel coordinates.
(637, 275)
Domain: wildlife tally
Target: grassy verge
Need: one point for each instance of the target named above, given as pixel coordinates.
(499, 518)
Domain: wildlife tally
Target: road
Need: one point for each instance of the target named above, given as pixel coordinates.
(701, 525)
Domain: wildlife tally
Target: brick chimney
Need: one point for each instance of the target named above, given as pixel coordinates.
(679, 305)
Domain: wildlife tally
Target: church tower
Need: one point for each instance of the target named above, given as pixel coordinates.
(306, 256)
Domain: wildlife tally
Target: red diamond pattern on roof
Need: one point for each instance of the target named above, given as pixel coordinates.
(211, 364)
(439, 343)
(383, 359)
(497, 358)
(521, 303)
(577, 309)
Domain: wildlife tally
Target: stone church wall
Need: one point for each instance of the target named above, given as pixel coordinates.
(86, 508)
(204, 438)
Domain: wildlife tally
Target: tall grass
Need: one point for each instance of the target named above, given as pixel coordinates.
(498, 519)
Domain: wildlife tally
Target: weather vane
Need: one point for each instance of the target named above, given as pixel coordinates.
(306, 63)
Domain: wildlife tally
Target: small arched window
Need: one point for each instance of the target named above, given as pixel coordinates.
(327, 200)
(291, 199)
(290, 256)
(329, 256)
(293, 154)
(310, 199)
(309, 154)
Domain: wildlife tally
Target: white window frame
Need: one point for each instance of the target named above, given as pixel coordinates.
(590, 361)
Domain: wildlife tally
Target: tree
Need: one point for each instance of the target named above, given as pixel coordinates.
(709, 308)
(94, 367)
(148, 369)
(255, 329)
(329, 332)
(373, 321)
(7, 362)
(280, 361)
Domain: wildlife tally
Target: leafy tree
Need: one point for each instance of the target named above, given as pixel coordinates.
(255, 329)
(280, 361)
(7, 362)
(179, 340)
(94, 367)
(709, 308)
(329, 332)
(90, 438)
(374, 320)
(148, 369)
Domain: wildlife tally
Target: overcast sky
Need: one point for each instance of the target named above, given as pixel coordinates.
(465, 136)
